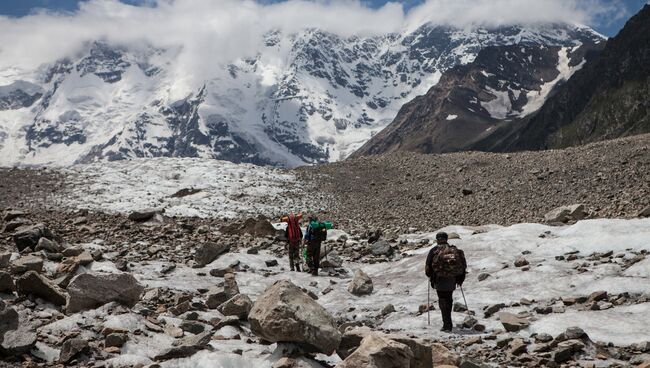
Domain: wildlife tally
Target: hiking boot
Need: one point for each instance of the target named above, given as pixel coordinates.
(297, 269)
(445, 329)
(292, 269)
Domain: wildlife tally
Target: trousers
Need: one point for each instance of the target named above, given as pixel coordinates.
(313, 255)
(446, 304)
(294, 256)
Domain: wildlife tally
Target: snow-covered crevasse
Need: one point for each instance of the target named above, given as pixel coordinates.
(403, 284)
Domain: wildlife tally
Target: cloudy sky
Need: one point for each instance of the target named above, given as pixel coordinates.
(607, 23)
(39, 31)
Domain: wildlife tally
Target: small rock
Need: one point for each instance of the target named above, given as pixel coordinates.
(72, 348)
(513, 323)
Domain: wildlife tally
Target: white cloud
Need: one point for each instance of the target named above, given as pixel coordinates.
(217, 30)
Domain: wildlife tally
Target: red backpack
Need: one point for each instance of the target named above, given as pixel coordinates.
(294, 234)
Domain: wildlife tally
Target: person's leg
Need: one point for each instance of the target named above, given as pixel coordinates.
(295, 251)
(316, 258)
(310, 255)
(291, 260)
(445, 302)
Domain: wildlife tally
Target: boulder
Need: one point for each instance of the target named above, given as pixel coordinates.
(145, 215)
(30, 262)
(381, 248)
(28, 236)
(13, 214)
(185, 347)
(5, 258)
(48, 245)
(230, 285)
(15, 224)
(35, 284)
(284, 313)
(208, 252)
(216, 296)
(8, 319)
(421, 350)
(512, 322)
(645, 212)
(361, 284)
(443, 356)
(521, 262)
(378, 351)
(18, 341)
(239, 305)
(71, 348)
(565, 214)
(93, 289)
(351, 340)
(6, 282)
(332, 260)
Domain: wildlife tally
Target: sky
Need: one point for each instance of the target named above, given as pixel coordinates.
(202, 33)
(607, 23)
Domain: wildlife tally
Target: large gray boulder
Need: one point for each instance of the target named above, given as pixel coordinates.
(30, 262)
(18, 341)
(564, 214)
(28, 236)
(378, 351)
(422, 352)
(512, 322)
(35, 284)
(208, 252)
(381, 248)
(239, 305)
(8, 319)
(361, 284)
(284, 313)
(185, 347)
(93, 289)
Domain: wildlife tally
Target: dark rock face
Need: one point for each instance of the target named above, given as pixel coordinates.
(607, 99)
(500, 85)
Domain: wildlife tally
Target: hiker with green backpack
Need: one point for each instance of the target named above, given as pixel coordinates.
(315, 234)
(446, 267)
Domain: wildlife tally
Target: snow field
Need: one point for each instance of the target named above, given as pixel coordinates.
(227, 189)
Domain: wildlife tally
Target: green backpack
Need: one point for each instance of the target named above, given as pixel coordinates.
(319, 229)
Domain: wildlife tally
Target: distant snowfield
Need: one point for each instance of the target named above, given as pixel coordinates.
(403, 284)
(226, 189)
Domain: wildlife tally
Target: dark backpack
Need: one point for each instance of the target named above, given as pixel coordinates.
(318, 230)
(448, 262)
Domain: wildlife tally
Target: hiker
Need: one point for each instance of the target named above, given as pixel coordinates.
(446, 267)
(314, 236)
(293, 234)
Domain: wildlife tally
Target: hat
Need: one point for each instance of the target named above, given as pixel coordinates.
(442, 236)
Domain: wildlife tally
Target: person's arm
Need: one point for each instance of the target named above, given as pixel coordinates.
(461, 278)
(427, 267)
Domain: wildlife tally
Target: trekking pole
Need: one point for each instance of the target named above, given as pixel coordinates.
(465, 300)
(428, 304)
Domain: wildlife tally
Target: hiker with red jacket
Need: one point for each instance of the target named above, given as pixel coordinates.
(293, 233)
(446, 267)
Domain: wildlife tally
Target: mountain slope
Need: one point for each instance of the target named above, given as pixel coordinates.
(305, 97)
(504, 83)
(607, 99)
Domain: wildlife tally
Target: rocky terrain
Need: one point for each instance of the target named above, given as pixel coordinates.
(178, 285)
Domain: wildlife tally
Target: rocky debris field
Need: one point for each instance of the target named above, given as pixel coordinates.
(145, 289)
(402, 192)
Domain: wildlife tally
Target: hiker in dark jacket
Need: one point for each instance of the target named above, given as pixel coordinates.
(441, 279)
(293, 234)
(313, 248)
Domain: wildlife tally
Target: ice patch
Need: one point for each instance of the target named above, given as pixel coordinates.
(452, 117)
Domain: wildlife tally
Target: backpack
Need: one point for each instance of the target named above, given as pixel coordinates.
(318, 230)
(294, 234)
(448, 262)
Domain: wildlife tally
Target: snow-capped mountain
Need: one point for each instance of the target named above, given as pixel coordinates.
(305, 97)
